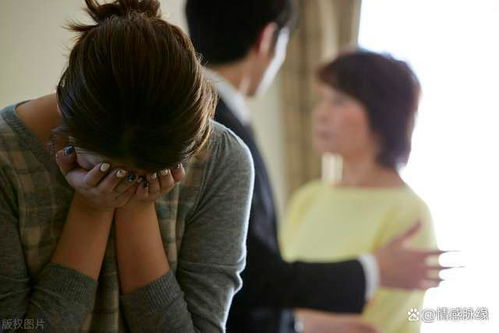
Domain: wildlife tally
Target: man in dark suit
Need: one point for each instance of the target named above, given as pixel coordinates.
(243, 43)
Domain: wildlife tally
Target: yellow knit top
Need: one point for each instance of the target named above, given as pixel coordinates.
(325, 223)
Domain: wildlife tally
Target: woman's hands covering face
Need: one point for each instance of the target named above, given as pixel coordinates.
(153, 186)
(106, 188)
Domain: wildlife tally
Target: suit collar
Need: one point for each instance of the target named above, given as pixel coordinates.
(231, 96)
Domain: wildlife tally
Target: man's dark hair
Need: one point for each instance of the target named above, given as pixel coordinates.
(133, 89)
(224, 31)
(388, 89)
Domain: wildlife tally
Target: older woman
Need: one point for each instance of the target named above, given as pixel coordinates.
(368, 103)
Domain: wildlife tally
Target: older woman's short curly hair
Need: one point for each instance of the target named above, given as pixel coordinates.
(388, 89)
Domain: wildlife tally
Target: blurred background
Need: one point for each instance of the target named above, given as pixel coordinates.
(452, 46)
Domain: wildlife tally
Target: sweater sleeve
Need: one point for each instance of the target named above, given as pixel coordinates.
(212, 255)
(58, 298)
(389, 307)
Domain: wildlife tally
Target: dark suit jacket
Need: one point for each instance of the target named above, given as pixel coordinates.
(271, 285)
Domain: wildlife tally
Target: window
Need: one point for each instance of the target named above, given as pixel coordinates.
(453, 46)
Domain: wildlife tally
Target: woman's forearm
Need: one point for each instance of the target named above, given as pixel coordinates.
(84, 238)
(139, 247)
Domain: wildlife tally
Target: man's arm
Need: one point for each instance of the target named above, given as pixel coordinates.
(270, 281)
(338, 286)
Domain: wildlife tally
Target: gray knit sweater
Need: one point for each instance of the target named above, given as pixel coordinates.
(203, 223)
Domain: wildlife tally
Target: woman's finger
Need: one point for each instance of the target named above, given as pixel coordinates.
(66, 159)
(67, 162)
(154, 186)
(96, 174)
(166, 180)
(142, 192)
(178, 173)
(108, 184)
(126, 182)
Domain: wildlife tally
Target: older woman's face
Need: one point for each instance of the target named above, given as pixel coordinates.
(341, 124)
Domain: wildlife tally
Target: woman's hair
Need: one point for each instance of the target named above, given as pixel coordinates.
(388, 89)
(134, 89)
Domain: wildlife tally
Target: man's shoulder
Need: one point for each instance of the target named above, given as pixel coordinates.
(223, 114)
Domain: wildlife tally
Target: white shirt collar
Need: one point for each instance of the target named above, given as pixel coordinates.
(230, 95)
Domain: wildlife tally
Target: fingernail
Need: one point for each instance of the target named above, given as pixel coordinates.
(131, 178)
(104, 167)
(69, 150)
(154, 176)
(164, 172)
(120, 173)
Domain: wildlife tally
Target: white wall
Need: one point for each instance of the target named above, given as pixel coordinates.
(33, 50)
(34, 44)
(454, 159)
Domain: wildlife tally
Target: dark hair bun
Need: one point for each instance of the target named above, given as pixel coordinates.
(119, 8)
(133, 89)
